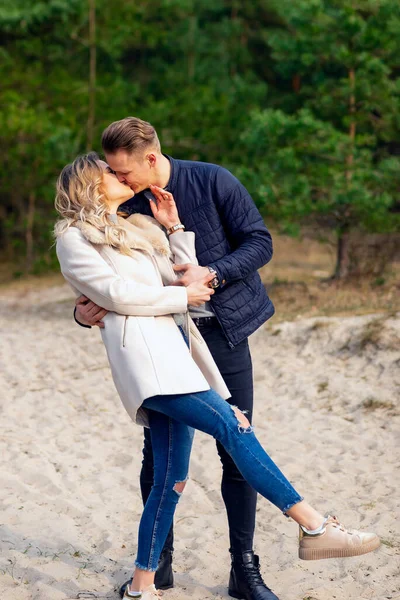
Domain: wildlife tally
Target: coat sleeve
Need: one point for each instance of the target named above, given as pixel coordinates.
(245, 229)
(183, 249)
(89, 274)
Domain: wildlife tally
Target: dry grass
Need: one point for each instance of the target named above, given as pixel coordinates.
(323, 386)
(9, 285)
(371, 404)
(297, 280)
(372, 333)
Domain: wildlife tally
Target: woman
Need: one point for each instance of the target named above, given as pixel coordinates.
(162, 369)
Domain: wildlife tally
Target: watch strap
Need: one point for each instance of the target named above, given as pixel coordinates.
(175, 228)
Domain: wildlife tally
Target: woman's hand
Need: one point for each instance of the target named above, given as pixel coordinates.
(199, 291)
(164, 210)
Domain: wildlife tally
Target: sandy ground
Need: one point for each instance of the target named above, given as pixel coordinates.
(327, 392)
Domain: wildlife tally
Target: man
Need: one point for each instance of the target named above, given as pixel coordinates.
(232, 242)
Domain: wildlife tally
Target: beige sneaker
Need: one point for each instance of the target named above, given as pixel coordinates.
(335, 541)
(150, 593)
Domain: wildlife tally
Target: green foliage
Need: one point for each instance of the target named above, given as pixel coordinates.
(300, 168)
(327, 150)
(300, 99)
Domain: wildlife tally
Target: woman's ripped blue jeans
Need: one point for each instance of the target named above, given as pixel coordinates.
(173, 420)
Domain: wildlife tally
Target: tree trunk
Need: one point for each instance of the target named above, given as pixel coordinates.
(352, 126)
(192, 48)
(296, 83)
(92, 74)
(343, 258)
(342, 254)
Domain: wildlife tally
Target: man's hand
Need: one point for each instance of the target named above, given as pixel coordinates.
(199, 291)
(190, 273)
(88, 313)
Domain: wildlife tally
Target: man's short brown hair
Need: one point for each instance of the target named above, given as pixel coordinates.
(130, 134)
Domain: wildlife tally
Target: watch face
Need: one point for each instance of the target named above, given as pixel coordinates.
(214, 283)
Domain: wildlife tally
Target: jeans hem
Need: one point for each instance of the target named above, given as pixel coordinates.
(140, 566)
(289, 506)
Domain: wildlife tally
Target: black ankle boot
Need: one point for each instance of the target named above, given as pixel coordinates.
(164, 579)
(245, 582)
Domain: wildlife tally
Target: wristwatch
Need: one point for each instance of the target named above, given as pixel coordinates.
(214, 283)
(175, 228)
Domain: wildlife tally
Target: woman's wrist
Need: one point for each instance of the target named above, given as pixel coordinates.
(175, 227)
(172, 223)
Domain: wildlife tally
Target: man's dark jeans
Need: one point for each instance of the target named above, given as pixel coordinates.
(240, 498)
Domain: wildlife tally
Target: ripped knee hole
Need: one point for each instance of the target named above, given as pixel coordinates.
(179, 486)
(244, 424)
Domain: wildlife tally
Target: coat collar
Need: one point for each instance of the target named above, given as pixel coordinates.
(143, 232)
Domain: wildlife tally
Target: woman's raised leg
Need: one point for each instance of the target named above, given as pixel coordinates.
(208, 412)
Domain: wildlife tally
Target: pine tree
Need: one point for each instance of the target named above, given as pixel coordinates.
(325, 152)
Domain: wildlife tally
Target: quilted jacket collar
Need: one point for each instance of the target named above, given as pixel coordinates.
(173, 178)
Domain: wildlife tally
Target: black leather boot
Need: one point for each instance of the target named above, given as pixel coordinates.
(164, 579)
(245, 582)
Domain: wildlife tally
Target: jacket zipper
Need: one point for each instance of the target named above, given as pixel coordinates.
(231, 346)
(124, 332)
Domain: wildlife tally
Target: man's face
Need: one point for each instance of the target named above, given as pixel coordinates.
(131, 169)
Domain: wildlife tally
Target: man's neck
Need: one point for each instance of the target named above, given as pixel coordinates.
(163, 172)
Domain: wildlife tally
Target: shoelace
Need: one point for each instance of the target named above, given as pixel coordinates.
(254, 576)
(338, 525)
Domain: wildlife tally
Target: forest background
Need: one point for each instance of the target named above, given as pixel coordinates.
(300, 100)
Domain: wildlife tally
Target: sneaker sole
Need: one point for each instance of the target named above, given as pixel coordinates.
(320, 553)
(163, 587)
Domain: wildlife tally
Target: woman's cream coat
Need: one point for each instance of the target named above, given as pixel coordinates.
(147, 353)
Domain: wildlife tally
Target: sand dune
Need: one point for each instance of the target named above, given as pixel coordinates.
(327, 393)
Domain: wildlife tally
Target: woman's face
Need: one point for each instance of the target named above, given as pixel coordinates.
(116, 192)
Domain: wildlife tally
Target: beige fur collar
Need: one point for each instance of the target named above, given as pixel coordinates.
(144, 233)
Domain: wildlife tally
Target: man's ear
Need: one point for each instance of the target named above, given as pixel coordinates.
(151, 159)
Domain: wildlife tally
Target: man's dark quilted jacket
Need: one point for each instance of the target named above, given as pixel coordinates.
(230, 237)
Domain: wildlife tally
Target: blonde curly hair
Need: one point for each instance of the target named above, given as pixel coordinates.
(80, 197)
